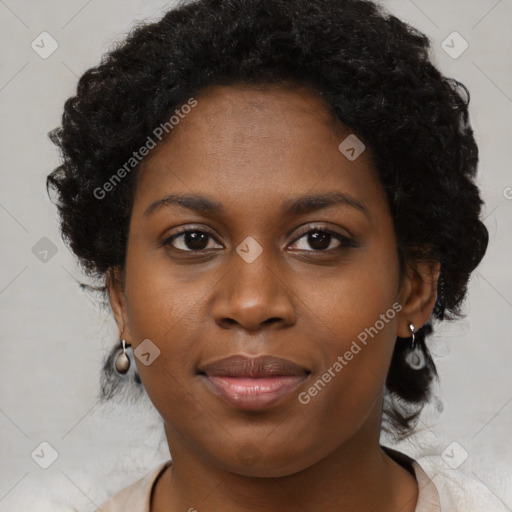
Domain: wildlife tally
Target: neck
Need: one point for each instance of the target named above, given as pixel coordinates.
(357, 476)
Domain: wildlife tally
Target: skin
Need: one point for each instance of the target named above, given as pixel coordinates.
(251, 149)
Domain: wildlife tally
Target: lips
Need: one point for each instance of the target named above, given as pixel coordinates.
(261, 366)
(253, 382)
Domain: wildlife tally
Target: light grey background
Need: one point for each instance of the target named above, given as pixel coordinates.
(53, 336)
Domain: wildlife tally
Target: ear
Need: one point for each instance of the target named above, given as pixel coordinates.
(418, 294)
(115, 288)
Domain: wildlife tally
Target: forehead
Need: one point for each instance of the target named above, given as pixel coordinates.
(243, 143)
(253, 103)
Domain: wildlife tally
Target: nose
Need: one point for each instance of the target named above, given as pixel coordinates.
(253, 295)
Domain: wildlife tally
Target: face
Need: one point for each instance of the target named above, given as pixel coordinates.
(262, 270)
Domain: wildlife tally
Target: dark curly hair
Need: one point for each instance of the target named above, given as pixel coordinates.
(374, 74)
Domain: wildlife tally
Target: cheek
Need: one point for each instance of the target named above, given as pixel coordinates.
(165, 310)
(158, 300)
(167, 313)
(354, 314)
(348, 388)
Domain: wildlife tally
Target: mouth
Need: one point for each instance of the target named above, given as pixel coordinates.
(253, 383)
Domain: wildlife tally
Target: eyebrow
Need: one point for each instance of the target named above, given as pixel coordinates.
(310, 203)
(294, 206)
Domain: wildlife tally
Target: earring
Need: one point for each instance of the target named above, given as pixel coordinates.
(122, 361)
(415, 358)
(411, 328)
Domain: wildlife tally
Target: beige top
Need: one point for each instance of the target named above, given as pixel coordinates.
(136, 497)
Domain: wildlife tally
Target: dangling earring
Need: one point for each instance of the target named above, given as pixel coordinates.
(411, 328)
(122, 361)
(415, 358)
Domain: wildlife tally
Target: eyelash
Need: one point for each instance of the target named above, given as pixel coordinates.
(344, 241)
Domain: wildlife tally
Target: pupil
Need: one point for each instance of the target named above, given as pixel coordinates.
(319, 240)
(195, 240)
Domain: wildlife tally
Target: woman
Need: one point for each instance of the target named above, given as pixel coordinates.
(278, 198)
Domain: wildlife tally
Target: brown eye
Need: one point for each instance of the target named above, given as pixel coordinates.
(319, 240)
(322, 240)
(190, 240)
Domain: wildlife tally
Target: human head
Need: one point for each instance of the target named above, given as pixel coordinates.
(374, 76)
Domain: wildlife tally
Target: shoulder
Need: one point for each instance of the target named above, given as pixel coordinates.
(136, 496)
(459, 491)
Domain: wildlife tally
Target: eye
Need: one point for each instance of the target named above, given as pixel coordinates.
(191, 240)
(318, 238)
(321, 239)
